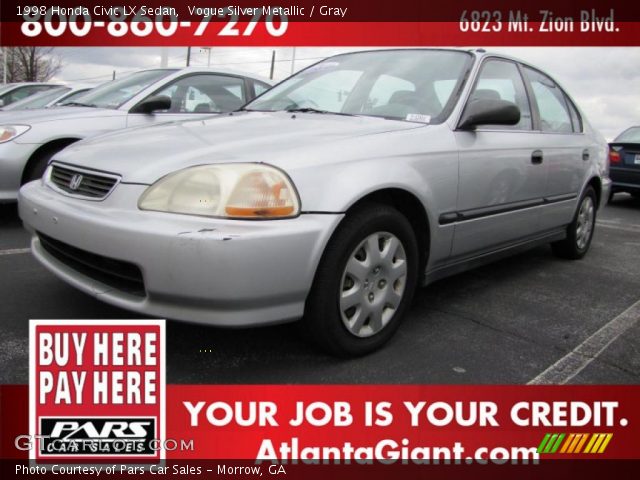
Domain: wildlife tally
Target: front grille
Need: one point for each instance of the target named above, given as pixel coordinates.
(82, 182)
(123, 276)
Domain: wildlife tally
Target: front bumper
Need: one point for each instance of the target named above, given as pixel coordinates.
(214, 271)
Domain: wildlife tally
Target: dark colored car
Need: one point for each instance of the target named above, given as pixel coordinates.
(624, 162)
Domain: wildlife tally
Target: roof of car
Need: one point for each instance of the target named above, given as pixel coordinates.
(21, 84)
(215, 70)
(478, 51)
(229, 71)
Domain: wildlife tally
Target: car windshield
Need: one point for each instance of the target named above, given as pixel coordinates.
(73, 97)
(39, 100)
(114, 94)
(631, 135)
(413, 85)
(6, 87)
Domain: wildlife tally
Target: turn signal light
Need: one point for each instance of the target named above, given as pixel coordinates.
(261, 195)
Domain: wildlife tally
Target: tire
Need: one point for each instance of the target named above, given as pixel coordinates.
(381, 284)
(580, 230)
(37, 165)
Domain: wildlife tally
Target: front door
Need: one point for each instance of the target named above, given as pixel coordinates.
(501, 176)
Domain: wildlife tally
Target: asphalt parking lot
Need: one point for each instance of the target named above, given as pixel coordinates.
(528, 318)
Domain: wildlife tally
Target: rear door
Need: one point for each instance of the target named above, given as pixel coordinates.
(501, 180)
(566, 150)
(194, 96)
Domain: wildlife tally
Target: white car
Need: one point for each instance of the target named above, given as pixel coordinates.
(13, 92)
(29, 138)
(50, 98)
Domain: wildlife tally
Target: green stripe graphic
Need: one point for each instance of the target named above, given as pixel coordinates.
(555, 448)
(543, 442)
(550, 444)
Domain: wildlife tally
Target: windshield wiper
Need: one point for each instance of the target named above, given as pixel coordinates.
(243, 109)
(298, 110)
(317, 110)
(78, 104)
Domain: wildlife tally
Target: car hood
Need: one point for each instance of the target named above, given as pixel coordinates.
(142, 155)
(30, 117)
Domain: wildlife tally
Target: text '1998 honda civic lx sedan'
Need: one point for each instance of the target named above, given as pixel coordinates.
(329, 198)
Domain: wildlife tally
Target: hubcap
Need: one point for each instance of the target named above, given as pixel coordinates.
(584, 225)
(373, 284)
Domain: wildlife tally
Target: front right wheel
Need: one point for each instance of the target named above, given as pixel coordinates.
(364, 283)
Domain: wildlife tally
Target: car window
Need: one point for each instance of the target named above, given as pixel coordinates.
(386, 87)
(631, 135)
(24, 92)
(38, 100)
(260, 87)
(117, 92)
(501, 80)
(411, 85)
(325, 92)
(72, 96)
(444, 89)
(554, 114)
(205, 93)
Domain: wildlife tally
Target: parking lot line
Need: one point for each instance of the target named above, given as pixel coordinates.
(14, 251)
(575, 361)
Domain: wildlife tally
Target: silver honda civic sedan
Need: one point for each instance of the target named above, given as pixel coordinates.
(329, 199)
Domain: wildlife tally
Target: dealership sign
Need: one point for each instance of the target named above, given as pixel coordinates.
(97, 389)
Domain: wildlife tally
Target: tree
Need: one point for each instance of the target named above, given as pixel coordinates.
(30, 64)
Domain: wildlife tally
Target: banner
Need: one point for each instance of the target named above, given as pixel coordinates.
(383, 427)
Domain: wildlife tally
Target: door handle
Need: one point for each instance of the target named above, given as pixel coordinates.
(585, 155)
(537, 157)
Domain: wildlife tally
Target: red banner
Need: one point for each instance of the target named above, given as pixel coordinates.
(327, 34)
(281, 423)
(258, 23)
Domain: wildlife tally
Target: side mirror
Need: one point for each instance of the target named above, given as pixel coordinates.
(489, 112)
(153, 104)
(1, 103)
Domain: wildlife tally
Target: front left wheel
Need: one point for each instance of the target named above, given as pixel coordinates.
(364, 283)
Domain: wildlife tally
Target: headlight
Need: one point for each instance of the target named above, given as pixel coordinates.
(231, 190)
(9, 132)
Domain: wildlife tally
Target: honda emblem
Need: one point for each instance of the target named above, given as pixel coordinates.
(75, 182)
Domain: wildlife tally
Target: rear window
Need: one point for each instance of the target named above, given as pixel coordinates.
(631, 135)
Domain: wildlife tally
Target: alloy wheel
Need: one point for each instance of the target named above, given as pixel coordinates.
(584, 226)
